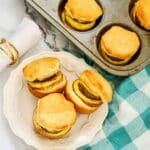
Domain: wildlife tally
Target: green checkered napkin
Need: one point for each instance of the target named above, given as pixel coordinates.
(127, 126)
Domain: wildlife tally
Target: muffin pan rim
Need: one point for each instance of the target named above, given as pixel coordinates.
(82, 47)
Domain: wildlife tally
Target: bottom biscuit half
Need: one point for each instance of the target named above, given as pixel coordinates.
(75, 24)
(80, 106)
(54, 88)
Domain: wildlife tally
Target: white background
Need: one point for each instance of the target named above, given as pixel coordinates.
(11, 14)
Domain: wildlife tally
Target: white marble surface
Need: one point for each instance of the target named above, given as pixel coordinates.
(11, 14)
(8, 141)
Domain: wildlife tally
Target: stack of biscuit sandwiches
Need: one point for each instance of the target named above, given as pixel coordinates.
(59, 101)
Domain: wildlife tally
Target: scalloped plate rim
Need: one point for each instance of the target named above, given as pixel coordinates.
(29, 142)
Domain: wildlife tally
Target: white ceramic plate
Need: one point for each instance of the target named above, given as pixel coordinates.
(19, 104)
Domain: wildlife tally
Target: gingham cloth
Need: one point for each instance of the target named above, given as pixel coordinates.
(127, 126)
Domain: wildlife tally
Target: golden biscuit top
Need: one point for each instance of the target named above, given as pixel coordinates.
(41, 69)
(54, 111)
(83, 10)
(142, 10)
(97, 84)
(120, 43)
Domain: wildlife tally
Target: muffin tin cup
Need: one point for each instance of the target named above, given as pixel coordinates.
(98, 39)
(115, 12)
(61, 9)
(131, 5)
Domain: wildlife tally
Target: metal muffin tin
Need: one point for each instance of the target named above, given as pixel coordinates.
(116, 12)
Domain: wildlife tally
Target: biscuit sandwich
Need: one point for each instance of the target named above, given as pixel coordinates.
(89, 91)
(54, 116)
(118, 45)
(141, 13)
(44, 77)
(81, 15)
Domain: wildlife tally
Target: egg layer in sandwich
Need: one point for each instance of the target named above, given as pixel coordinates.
(141, 13)
(44, 77)
(118, 45)
(89, 91)
(54, 116)
(81, 15)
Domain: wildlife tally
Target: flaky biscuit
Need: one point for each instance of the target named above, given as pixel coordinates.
(41, 69)
(120, 43)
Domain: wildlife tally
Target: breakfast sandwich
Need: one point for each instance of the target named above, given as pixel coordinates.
(89, 91)
(54, 116)
(118, 45)
(81, 15)
(44, 77)
(141, 13)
